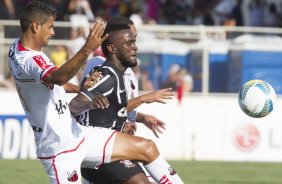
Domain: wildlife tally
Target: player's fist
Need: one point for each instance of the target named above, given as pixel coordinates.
(129, 128)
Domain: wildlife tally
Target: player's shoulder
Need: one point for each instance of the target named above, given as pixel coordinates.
(33, 57)
(107, 68)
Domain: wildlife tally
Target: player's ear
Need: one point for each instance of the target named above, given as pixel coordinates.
(34, 26)
(111, 48)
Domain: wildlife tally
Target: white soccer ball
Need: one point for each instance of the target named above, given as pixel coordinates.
(257, 98)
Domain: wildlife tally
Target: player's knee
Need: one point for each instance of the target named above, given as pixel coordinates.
(151, 151)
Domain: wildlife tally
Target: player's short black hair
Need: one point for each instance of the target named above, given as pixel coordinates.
(117, 23)
(36, 11)
(116, 20)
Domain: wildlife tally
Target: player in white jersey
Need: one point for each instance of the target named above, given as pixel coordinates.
(62, 144)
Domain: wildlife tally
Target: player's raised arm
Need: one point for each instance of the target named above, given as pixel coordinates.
(155, 96)
(63, 74)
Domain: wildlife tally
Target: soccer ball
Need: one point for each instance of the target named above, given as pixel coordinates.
(257, 98)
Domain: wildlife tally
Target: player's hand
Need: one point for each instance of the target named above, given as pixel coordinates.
(158, 96)
(129, 128)
(95, 39)
(100, 102)
(92, 80)
(154, 124)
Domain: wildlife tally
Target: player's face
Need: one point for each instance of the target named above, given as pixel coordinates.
(47, 31)
(126, 48)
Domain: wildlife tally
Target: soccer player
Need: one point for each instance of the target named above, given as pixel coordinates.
(131, 85)
(120, 171)
(120, 51)
(62, 144)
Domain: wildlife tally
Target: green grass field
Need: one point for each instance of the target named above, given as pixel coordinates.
(192, 172)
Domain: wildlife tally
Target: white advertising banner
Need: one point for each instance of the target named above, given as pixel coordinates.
(199, 128)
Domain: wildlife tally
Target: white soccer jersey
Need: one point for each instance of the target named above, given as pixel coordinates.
(130, 81)
(45, 105)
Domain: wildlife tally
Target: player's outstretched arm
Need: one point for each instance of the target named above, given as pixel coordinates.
(151, 122)
(155, 96)
(82, 103)
(63, 74)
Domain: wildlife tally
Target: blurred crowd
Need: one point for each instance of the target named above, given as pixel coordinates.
(181, 12)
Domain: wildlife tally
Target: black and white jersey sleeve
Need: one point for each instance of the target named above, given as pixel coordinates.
(112, 86)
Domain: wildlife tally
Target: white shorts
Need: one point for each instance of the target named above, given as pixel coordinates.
(94, 150)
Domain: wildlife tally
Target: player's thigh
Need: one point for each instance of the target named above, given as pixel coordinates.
(64, 168)
(128, 147)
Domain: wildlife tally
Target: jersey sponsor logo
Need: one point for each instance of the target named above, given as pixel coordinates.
(122, 112)
(41, 62)
(73, 177)
(165, 180)
(61, 107)
(121, 91)
(127, 163)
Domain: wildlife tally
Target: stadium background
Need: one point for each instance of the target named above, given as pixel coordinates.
(207, 123)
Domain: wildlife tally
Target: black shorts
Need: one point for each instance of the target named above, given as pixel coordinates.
(112, 173)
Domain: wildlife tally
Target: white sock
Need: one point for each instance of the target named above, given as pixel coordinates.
(162, 172)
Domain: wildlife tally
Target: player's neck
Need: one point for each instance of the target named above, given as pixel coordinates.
(117, 64)
(120, 66)
(28, 41)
